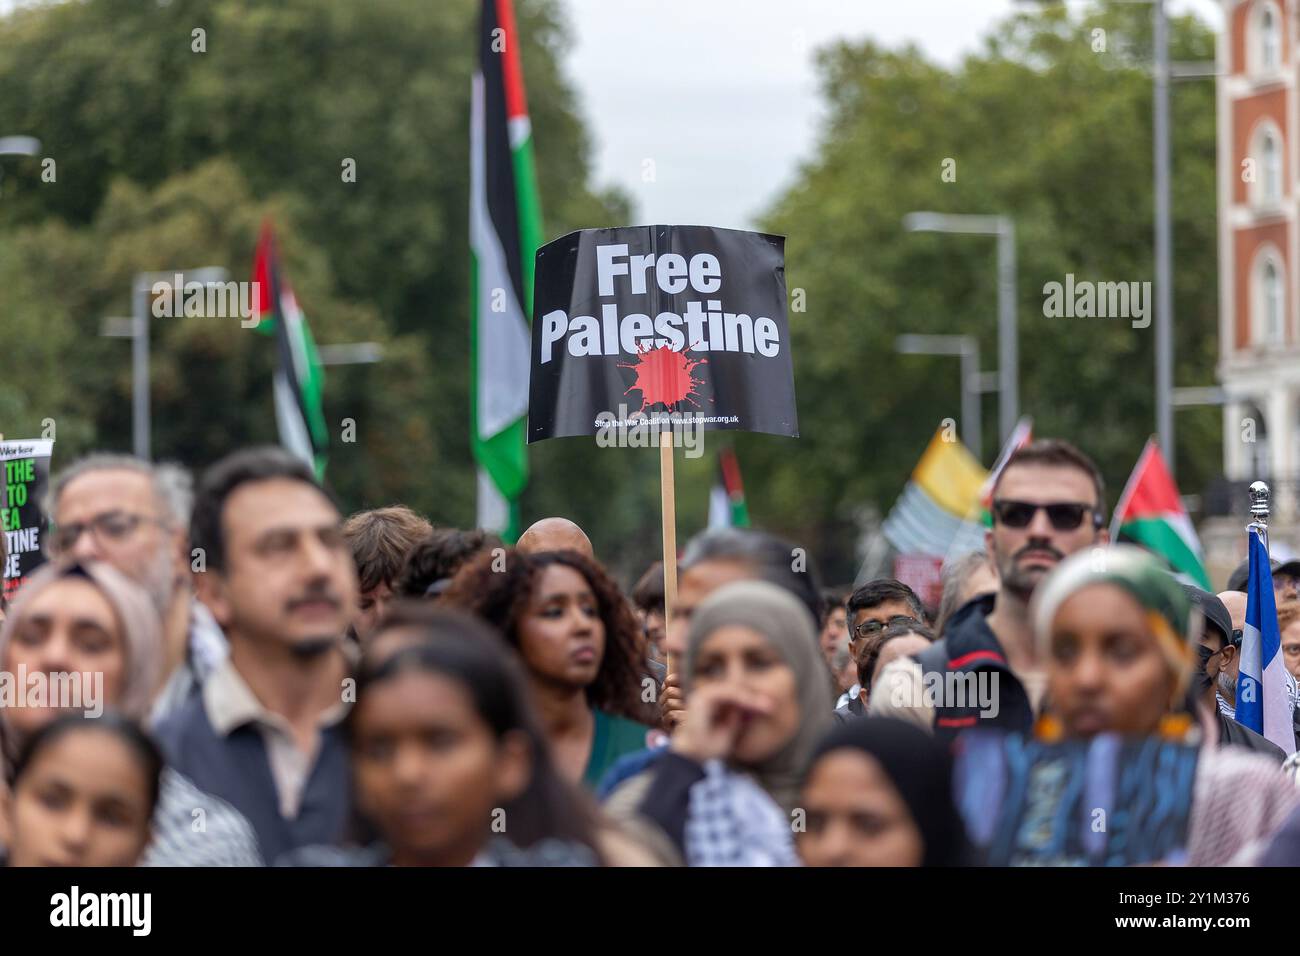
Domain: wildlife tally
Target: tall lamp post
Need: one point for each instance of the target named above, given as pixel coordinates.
(972, 382)
(20, 146)
(1167, 398)
(1004, 228)
(139, 335)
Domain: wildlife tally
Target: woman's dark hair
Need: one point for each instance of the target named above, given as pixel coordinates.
(127, 731)
(461, 648)
(871, 650)
(771, 559)
(434, 561)
(499, 590)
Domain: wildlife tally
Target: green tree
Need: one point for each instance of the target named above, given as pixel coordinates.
(1042, 127)
(171, 145)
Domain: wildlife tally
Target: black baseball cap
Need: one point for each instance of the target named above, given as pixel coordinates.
(1237, 580)
(1216, 615)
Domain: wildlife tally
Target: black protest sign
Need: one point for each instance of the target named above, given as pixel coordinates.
(648, 321)
(26, 476)
(1108, 801)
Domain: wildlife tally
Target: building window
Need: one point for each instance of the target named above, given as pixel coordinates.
(1271, 160)
(1272, 303)
(1268, 311)
(1270, 43)
(1267, 151)
(1258, 458)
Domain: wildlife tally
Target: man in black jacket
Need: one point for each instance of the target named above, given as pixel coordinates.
(1048, 503)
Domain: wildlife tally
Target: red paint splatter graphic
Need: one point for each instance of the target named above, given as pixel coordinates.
(664, 376)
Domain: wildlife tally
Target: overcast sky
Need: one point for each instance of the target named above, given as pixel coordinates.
(721, 95)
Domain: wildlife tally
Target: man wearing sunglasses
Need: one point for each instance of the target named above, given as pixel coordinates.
(1048, 503)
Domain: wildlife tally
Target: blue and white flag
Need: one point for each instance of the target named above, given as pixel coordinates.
(1263, 704)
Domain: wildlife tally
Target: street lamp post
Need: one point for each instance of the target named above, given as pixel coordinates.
(968, 349)
(141, 292)
(351, 353)
(1004, 228)
(1166, 395)
(1164, 266)
(19, 146)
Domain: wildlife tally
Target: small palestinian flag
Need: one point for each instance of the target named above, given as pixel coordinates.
(298, 379)
(1150, 513)
(727, 508)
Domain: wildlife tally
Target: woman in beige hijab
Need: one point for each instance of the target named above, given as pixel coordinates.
(85, 619)
(90, 620)
(725, 790)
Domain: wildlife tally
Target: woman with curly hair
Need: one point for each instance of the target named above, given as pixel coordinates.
(577, 637)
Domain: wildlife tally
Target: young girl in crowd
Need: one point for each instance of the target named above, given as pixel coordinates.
(449, 768)
(1118, 633)
(759, 702)
(879, 793)
(84, 791)
(578, 640)
(87, 618)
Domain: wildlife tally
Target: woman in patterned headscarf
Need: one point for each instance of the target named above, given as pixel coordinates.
(1119, 634)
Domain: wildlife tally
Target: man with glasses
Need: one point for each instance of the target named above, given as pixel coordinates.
(135, 516)
(870, 609)
(1048, 502)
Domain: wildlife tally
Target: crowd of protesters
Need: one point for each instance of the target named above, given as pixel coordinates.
(280, 686)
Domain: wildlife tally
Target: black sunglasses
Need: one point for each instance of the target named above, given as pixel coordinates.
(1064, 515)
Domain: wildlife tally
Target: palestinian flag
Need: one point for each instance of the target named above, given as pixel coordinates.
(505, 230)
(1150, 513)
(727, 508)
(298, 379)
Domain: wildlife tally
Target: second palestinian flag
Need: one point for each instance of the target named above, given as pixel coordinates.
(298, 379)
(1150, 513)
(727, 507)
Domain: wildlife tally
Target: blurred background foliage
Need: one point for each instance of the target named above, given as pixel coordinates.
(170, 159)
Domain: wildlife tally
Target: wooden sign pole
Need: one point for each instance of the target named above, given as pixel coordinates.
(668, 498)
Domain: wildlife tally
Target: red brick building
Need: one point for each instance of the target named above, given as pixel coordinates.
(1258, 219)
(1259, 235)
